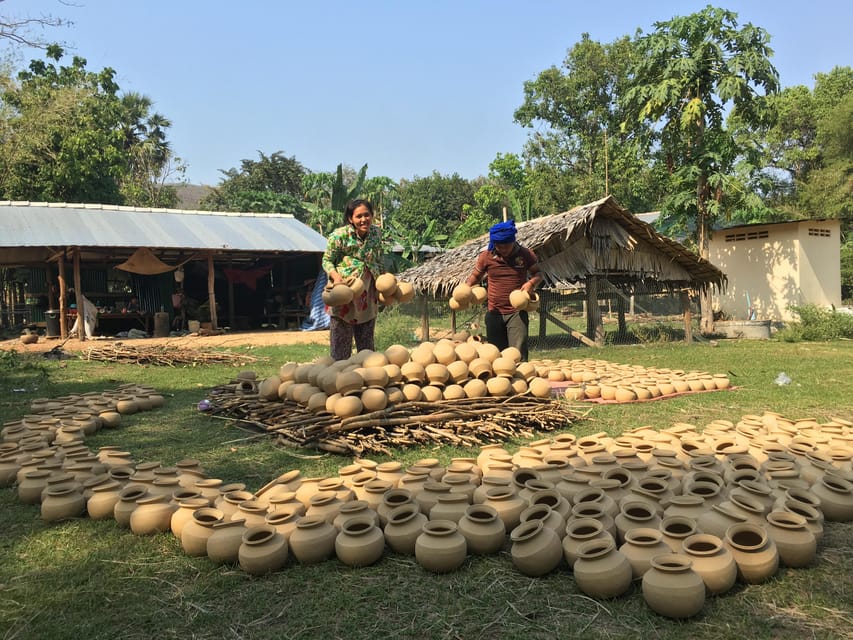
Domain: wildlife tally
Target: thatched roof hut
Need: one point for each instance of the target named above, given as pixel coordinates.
(597, 239)
(578, 249)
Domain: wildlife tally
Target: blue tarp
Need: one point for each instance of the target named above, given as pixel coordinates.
(318, 318)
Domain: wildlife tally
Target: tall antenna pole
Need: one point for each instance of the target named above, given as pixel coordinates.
(606, 175)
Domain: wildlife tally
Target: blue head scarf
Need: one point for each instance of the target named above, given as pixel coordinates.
(501, 232)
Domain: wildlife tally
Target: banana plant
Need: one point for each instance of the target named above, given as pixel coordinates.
(341, 194)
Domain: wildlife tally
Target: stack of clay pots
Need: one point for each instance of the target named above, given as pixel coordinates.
(464, 296)
(391, 291)
(686, 512)
(375, 380)
(600, 379)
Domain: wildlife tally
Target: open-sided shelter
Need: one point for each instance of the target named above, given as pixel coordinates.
(579, 248)
(245, 268)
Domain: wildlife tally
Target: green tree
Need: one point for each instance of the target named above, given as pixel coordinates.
(435, 197)
(62, 137)
(578, 141)
(151, 163)
(271, 184)
(412, 242)
(827, 190)
(326, 195)
(68, 135)
(687, 74)
(383, 194)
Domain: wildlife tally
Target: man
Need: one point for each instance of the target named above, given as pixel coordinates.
(506, 265)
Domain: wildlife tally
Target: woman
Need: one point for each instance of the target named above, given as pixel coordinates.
(354, 250)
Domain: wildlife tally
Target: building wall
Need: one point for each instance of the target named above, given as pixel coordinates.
(772, 267)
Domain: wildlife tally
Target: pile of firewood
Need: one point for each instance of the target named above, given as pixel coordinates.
(163, 355)
(465, 422)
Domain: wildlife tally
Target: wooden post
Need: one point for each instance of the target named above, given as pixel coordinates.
(78, 296)
(63, 304)
(231, 319)
(452, 321)
(688, 317)
(51, 290)
(544, 312)
(594, 325)
(211, 291)
(620, 313)
(425, 319)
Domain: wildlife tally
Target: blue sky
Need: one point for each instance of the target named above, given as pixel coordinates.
(407, 87)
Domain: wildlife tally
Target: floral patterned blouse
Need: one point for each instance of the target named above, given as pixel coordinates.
(347, 254)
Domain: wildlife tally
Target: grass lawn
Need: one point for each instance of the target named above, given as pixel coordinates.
(91, 579)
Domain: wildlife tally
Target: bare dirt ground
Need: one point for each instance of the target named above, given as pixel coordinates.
(192, 341)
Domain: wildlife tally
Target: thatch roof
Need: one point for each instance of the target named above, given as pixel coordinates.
(600, 238)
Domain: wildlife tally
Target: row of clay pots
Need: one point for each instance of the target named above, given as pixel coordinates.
(65, 421)
(594, 379)
(745, 506)
(372, 381)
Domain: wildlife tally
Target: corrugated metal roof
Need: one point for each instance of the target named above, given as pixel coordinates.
(40, 224)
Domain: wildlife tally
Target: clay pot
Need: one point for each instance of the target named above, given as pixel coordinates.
(641, 545)
(633, 515)
(836, 496)
(536, 548)
(127, 405)
(62, 503)
(671, 588)
(451, 506)
(262, 550)
(508, 505)
(355, 509)
(483, 530)
(405, 292)
(197, 531)
(551, 518)
(392, 499)
(184, 513)
(335, 295)
(754, 552)
(153, 514)
(397, 354)
(284, 521)
(712, 560)
(579, 531)
(33, 484)
(600, 570)
(126, 504)
(313, 540)
(325, 505)
(223, 545)
(795, 543)
(812, 515)
(405, 524)
(463, 294)
(519, 299)
(360, 542)
(386, 284)
(717, 520)
(440, 547)
(676, 529)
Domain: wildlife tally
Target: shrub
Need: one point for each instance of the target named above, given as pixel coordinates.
(817, 324)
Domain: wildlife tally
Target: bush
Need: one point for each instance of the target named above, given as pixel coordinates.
(817, 324)
(394, 327)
